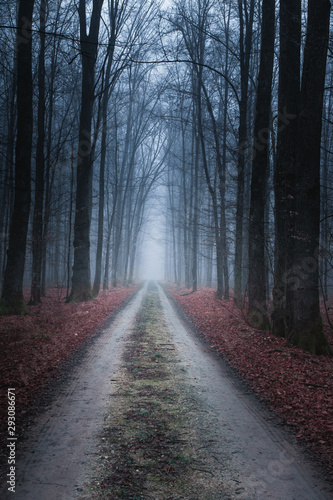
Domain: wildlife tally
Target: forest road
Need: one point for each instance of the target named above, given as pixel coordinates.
(249, 454)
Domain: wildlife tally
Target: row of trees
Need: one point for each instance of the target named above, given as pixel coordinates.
(81, 153)
(246, 172)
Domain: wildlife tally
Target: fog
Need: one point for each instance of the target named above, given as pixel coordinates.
(151, 265)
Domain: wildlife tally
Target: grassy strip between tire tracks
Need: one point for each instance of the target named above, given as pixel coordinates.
(148, 445)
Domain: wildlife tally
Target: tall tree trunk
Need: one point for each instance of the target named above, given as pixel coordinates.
(100, 229)
(136, 229)
(89, 42)
(245, 54)
(222, 172)
(212, 187)
(70, 224)
(37, 227)
(324, 233)
(106, 96)
(108, 244)
(111, 217)
(257, 312)
(173, 229)
(128, 231)
(307, 329)
(195, 215)
(285, 168)
(126, 172)
(6, 205)
(218, 213)
(12, 290)
(48, 167)
(185, 205)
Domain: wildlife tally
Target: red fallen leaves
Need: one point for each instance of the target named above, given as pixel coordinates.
(33, 346)
(294, 383)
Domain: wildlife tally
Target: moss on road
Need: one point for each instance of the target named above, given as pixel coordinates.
(149, 445)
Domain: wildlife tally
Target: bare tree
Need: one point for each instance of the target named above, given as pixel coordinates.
(37, 229)
(285, 169)
(297, 179)
(246, 14)
(307, 328)
(116, 11)
(81, 286)
(12, 290)
(257, 312)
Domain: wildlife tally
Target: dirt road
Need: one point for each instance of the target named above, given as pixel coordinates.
(150, 412)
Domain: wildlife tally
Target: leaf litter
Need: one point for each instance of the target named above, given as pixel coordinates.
(296, 385)
(34, 347)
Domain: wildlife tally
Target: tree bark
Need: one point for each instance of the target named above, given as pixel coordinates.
(307, 329)
(113, 17)
(195, 213)
(37, 227)
(245, 54)
(6, 206)
(285, 167)
(81, 286)
(12, 291)
(257, 311)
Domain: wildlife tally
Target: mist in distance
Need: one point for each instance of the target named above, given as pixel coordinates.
(152, 256)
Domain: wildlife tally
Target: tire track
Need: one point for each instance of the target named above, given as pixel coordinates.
(61, 446)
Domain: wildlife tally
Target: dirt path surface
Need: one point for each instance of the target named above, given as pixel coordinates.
(62, 444)
(262, 461)
(151, 413)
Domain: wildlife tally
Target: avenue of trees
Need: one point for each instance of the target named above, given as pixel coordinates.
(217, 110)
(88, 144)
(250, 167)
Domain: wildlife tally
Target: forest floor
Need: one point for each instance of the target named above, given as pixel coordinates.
(295, 384)
(151, 412)
(35, 347)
